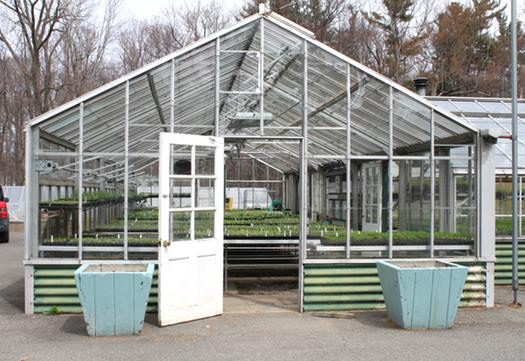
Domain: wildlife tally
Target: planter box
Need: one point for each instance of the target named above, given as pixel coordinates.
(421, 294)
(114, 297)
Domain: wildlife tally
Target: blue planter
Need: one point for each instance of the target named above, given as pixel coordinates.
(114, 297)
(421, 294)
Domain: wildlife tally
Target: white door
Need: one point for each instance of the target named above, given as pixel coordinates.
(191, 206)
(372, 196)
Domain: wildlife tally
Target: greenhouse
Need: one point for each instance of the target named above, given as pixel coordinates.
(258, 138)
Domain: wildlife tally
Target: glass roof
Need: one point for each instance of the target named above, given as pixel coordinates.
(256, 93)
(490, 113)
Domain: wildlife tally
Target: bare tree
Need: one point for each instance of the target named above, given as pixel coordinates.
(142, 42)
(31, 35)
(83, 52)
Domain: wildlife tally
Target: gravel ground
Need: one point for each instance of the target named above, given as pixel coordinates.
(479, 334)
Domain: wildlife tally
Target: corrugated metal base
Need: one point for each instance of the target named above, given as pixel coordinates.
(357, 287)
(503, 267)
(326, 288)
(55, 291)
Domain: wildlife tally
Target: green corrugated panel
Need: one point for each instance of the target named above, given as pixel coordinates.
(340, 280)
(76, 309)
(55, 291)
(351, 287)
(342, 289)
(342, 306)
(340, 271)
(367, 297)
(503, 267)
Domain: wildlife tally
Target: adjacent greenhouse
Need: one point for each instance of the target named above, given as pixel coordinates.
(328, 166)
(495, 114)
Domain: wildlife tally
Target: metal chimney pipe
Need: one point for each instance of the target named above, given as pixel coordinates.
(420, 84)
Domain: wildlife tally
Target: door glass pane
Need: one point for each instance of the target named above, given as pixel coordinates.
(180, 226)
(180, 159)
(204, 192)
(204, 224)
(180, 193)
(204, 160)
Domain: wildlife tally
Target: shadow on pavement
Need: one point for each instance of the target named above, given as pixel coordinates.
(377, 319)
(14, 294)
(151, 318)
(75, 325)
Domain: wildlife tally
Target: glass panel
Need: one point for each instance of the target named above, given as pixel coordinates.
(411, 124)
(327, 103)
(327, 210)
(370, 115)
(194, 111)
(283, 74)
(204, 160)
(239, 79)
(504, 206)
(204, 192)
(204, 224)
(180, 159)
(104, 122)
(57, 211)
(455, 209)
(180, 226)
(411, 208)
(103, 207)
(180, 193)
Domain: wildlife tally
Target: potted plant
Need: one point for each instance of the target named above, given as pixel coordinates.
(114, 297)
(421, 294)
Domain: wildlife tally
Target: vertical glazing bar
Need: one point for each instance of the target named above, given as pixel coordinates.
(303, 177)
(390, 170)
(479, 195)
(261, 79)
(470, 195)
(253, 183)
(172, 97)
(348, 154)
(217, 84)
(31, 201)
(269, 187)
(432, 183)
(80, 178)
(126, 170)
(283, 192)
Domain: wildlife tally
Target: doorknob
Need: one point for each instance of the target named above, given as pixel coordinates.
(164, 196)
(166, 243)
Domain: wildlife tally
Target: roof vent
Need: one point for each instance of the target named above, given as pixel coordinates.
(420, 84)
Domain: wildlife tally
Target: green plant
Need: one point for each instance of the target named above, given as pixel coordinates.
(52, 311)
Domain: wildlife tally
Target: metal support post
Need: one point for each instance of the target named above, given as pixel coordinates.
(390, 172)
(126, 170)
(515, 223)
(80, 178)
(348, 161)
(303, 211)
(432, 183)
